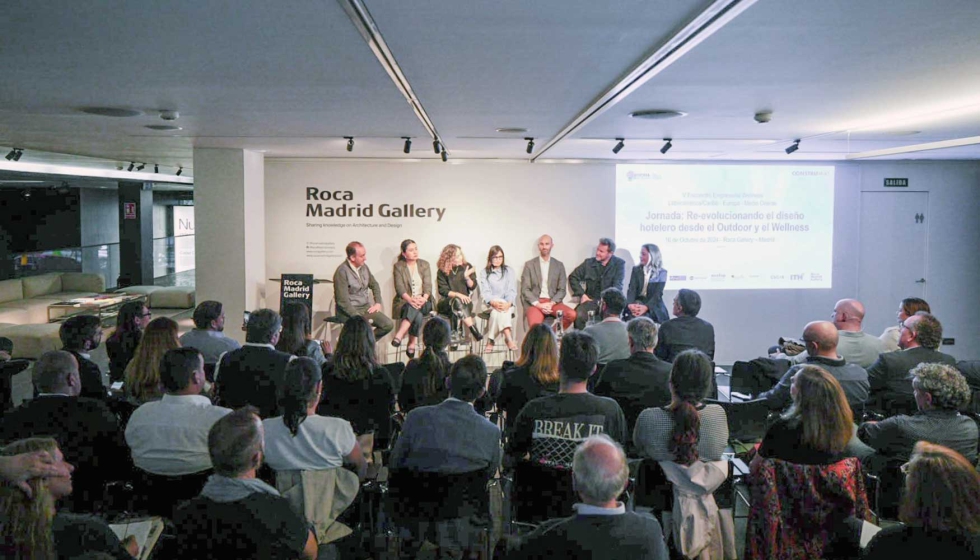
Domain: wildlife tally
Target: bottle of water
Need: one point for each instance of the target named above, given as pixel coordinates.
(559, 325)
(591, 320)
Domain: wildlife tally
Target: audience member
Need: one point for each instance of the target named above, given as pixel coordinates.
(169, 437)
(686, 429)
(143, 372)
(121, 345)
(237, 515)
(535, 374)
(816, 428)
(357, 293)
(971, 372)
(543, 287)
(601, 528)
(21, 468)
(413, 295)
(207, 336)
(940, 391)
(821, 340)
(85, 429)
(907, 308)
(301, 440)
(593, 276)
(854, 345)
(295, 337)
(6, 349)
(424, 379)
(646, 289)
(921, 335)
(641, 381)
(498, 288)
(253, 374)
(456, 280)
(31, 525)
(940, 509)
(686, 331)
(610, 333)
(549, 428)
(80, 335)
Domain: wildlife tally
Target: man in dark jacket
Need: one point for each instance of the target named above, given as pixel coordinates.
(590, 278)
(686, 331)
(253, 374)
(80, 335)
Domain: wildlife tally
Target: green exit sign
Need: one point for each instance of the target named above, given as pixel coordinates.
(894, 182)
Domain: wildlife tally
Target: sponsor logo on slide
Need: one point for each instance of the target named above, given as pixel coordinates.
(796, 277)
(815, 277)
(679, 277)
(631, 175)
(777, 277)
(810, 173)
(717, 277)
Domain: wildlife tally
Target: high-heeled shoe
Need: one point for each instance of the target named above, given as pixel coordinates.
(396, 342)
(476, 333)
(410, 352)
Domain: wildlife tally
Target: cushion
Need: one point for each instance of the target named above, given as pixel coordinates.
(11, 290)
(42, 284)
(180, 297)
(82, 282)
(138, 290)
(30, 341)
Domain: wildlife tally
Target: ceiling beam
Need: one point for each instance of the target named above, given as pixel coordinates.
(943, 144)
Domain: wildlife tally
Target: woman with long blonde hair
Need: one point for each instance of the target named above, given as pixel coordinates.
(455, 280)
(534, 375)
(143, 372)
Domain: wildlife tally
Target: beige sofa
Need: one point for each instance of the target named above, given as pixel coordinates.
(26, 300)
(164, 297)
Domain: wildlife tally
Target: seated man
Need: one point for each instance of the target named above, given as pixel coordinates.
(610, 334)
(820, 338)
(80, 335)
(238, 515)
(971, 371)
(208, 336)
(601, 528)
(356, 292)
(543, 287)
(919, 337)
(854, 345)
(594, 275)
(940, 391)
(253, 374)
(169, 437)
(686, 330)
(640, 381)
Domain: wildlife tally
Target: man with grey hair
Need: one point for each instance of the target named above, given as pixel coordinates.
(602, 528)
(253, 374)
(594, 275)
(919, 338)
(640, 381)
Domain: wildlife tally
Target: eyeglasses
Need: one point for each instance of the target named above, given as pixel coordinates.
(147, 314)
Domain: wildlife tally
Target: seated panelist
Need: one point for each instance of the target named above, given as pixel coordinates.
(498, 287)
(413, 295)
(645, 296)
(543, 287)
(356, 291)
(456, 279)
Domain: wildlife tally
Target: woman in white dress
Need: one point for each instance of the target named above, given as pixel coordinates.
(498, 288)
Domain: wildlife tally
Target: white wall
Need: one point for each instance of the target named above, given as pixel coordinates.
(512, 204)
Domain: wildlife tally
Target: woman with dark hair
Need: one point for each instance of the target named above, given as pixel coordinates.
(455, 281)
(424, 380)
(816, 428)
(686, 430)
(534, 375)
(498, 288)
(413, 295)
(143, 372)
(121, 345)
(302, 440)
(295, 336)
(909, 306)
(940, 509)
(355, 387)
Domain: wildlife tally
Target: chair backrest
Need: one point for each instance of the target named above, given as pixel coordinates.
(8, 370)
(747, 421)
(430, 496)
(758, 375)
(540, 493)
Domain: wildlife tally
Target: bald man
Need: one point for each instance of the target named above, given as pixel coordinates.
(821, 340)
(602, 528)
(855, 346)
(544, 298)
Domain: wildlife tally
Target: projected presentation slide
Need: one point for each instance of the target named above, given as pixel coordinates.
(730, 227)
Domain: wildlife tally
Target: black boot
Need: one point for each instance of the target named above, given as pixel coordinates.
(476, 334)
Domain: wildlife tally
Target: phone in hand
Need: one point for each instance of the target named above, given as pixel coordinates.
(245, 321)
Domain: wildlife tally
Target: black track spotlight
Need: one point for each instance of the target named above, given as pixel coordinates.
(667, 146)
(20, 152)
(530, 144)
(619, 145)
(156, 167)
(445, 157)
(350, 143)
(408, 145)
(179, 171)
(140, 167)
(793, 147)
(131, 166)
(12, 154)
(436, 146)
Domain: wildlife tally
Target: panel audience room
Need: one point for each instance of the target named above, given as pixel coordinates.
(357, 279)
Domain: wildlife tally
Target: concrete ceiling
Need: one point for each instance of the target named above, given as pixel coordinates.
(292, 79)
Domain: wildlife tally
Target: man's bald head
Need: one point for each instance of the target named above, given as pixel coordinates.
(823, 335)
(599, 470)
(849, 314)
(57, 372)
(544, 246)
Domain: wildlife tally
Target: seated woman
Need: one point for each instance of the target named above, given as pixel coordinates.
(455, 280)
(686, 430)
(498, 287)
(909, 306)
(143, 372)
(413, 295)
(424, 379)
(535, 374)
(31, 526)
(121, 345)
(301, 440)
(355, 387)
(940, 510)
(295, 336)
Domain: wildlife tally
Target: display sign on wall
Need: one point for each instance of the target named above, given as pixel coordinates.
(296, 288)
(129, 210)
(183, 238)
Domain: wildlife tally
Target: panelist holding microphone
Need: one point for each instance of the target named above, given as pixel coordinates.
(543, 287)
(456, 279)
(590, 278)
(356, 291)
(646, 291)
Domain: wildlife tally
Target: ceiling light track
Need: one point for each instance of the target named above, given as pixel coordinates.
(941, 145)
(702, 26)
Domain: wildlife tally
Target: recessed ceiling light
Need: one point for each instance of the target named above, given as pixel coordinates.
(657, 114)
(163, 127)
(512, 130)
(111, 112)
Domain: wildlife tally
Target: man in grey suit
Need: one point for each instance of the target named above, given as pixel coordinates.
(356, 292)
(544, 298)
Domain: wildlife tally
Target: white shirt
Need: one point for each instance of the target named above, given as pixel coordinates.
(321, 442)
(170, 436)
(545, 268)
(647, 272)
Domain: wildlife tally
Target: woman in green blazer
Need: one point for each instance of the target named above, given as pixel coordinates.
(413, 295)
